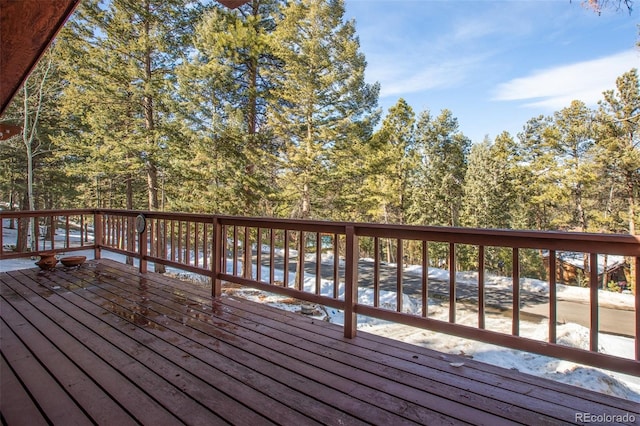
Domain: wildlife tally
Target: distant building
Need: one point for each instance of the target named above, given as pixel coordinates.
(570, 269)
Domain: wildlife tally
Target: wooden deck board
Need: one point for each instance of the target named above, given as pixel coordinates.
(103, 344)
(338, 367)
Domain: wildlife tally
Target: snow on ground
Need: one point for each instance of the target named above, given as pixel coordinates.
(624, 386)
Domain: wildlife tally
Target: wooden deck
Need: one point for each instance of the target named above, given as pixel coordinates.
(102, 344)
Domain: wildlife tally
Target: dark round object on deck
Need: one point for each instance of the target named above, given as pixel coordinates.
(47, 262)
(73, 260)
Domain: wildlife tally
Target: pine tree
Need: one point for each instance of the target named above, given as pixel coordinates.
(390, 158)
(224, 93)
(323, 104)
(619, 141)
(570, 140)
(537, 192)
(488, 197)
(438, 184)
(121, 58)
(619, 138)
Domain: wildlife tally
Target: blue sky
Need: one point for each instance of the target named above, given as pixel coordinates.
(494, 64)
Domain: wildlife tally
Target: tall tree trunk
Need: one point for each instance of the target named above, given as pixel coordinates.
(582, 216)
(632, 231)
(151, 168)
(130, 221)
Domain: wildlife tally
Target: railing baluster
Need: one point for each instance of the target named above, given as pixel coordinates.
(376, 272)
(593, 301)
(151, 237)
(246, 247)
(553, 301)
(123, 236)
(336, 266)
(179, 236)
(399, 270)
(52, 231)
(452, 282)
(318, 262)
(113, 230)
(98, 232)
(67, 240)
(235, 250)
(187, 243)
(142, 246)
(172, 239)
(300, 274)
(205, 246)
(81, 230)
(109, 230)
(131, 234)
(285, 280)
(425, 279)
(259, 254)
(219, 257)
(224, 234)
(515, 320)
(196, 237)
(351, 283)
(272, 244)
(481, 302)
(636, 287)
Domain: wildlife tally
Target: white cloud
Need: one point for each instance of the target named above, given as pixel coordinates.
(555, 88)
(428, 77)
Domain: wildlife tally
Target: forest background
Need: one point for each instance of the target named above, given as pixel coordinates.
(184, 105)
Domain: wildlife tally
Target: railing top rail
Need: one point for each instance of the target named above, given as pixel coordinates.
(621, 244)
(149, 214)
(43, 213)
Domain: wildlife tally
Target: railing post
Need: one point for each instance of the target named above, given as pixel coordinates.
(351, 283)
(636, 292)
(594, 321)
(553, 299)
(97, 235)
(452, 283)
(143, 236)
(515, 282)
(218, 258)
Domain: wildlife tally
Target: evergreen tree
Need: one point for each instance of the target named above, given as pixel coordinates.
(570, 140)
(537, 192)
(487, 201)
(619, 139)
(224, 92)
(121, 58)
(438, 186)
(323, 104)
(120, 62)
(390, 159)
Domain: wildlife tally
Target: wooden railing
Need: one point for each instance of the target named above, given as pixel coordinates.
(51, 230)
(329, 263)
